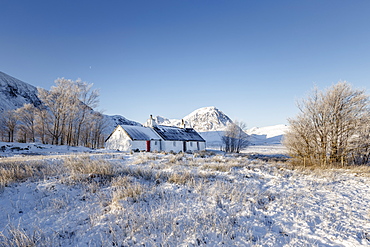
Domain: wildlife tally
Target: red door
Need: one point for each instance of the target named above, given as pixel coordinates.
(148, 146)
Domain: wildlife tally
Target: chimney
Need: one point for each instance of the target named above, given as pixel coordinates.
(183, 124)
(150, 122)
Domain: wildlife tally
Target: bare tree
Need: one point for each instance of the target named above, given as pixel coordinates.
(61, 103)
(9, 123)
(359, 145)
(41, 121)
(321, 134)
(93, 131)
(27, 121)
(89, 99)
(234, 138)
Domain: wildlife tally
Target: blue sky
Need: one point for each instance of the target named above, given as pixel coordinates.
(251, 59)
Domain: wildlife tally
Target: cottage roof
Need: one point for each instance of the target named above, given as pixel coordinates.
(140, 133)
(177, 134)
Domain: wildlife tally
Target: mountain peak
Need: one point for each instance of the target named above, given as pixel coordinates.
(203, 119)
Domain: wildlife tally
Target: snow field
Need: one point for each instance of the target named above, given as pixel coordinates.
(202, 199)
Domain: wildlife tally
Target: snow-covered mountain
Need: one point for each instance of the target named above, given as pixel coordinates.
(202, 120)
(210, 122)
(15, 93)
(271, 135)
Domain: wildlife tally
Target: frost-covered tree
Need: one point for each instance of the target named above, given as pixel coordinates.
(322, 133)
(234, 138)
(41, 119)
(89, 99)
(92, 132)
(68, 110)
(60, 102)
(360, 143)
(27, 122)
(8, 121)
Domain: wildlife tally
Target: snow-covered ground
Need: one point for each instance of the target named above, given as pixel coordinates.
(145, 199)
(274, 149)
(8, 149)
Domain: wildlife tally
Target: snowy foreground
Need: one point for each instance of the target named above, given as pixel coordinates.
(203, 199)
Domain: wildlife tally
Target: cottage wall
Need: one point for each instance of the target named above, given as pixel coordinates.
(141, 145)
(195, 146)
(178, 146)
(175, 146)
(119, 140)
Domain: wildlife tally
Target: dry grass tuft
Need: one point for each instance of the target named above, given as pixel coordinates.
(125, 188)
(203, 154)
(222, 166)
(17, 171)
(363, 170)
(174, 158)
(144, 158)
(17, 237)
(85, 165)
(180, 178)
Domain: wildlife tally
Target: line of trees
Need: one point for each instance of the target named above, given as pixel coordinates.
(332, 128)
(65, 117)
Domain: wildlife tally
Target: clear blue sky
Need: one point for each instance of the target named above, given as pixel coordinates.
(250, 59)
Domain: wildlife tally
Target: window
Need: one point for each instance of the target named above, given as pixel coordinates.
(191, 144)
(174, 143)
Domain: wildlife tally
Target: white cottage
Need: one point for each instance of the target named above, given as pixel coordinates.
(155, 137)
(128, 137)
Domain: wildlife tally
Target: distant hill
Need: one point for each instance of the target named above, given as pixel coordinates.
(267, 135)
(271, 135)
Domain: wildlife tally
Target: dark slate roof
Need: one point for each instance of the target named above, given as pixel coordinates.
(177, 134)
(140, 133)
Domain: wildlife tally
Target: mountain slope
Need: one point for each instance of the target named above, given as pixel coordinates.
(15, 93)
(113, 121)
